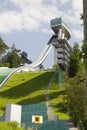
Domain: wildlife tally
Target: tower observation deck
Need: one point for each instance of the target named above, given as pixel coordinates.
(58, 24)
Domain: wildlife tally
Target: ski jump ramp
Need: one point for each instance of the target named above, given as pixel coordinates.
(42, 55)
(39, 60)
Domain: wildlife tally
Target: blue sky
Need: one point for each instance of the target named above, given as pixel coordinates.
(27, 23)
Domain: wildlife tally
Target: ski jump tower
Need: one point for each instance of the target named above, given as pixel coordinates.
(59, 41)
(62, 48)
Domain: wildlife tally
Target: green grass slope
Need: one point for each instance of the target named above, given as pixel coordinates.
(56, 94)
(25, 88)
(29, 88)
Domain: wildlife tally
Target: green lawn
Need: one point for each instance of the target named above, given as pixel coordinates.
(25, 88)
(29, 88)
(56, 94)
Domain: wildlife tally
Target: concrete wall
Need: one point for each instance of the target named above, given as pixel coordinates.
(13, 113)
(55, 56)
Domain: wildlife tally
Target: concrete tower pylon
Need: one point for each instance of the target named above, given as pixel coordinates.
(62, 48)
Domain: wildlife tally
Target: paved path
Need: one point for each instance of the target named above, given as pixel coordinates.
(49, 105)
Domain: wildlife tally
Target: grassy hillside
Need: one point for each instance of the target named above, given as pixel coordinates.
(25, 88)
(56, 94)
(29, 88)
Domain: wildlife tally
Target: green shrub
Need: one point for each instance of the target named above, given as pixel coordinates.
(10, 126)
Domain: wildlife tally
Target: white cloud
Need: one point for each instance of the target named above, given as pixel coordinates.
(46, 31)
(5, 2)
(73, 13)
(15, 21)
(32, 15)
(78, 34)
(76, 11)
(37, 10)
(9, 21)
(64, 1)
(77, 5)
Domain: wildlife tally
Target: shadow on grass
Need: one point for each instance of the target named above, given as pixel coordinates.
(57, 94)
(60, 107)
(20, 91)
(2, 109)
(34, 100)
(37, 99)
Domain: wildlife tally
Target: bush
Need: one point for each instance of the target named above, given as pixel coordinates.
(10, 126)
(76, 103)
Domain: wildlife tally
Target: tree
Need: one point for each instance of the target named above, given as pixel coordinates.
(76, 103)
(76, 100)
(74, 60)
(55, 67)
(41, 66)
(24, 57)
(13, 57)
(84, 46)
(81, 72)
(3, 46)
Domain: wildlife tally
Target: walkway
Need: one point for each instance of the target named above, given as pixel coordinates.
(49, 106)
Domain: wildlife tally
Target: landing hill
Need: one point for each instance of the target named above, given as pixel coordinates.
(29, 88)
